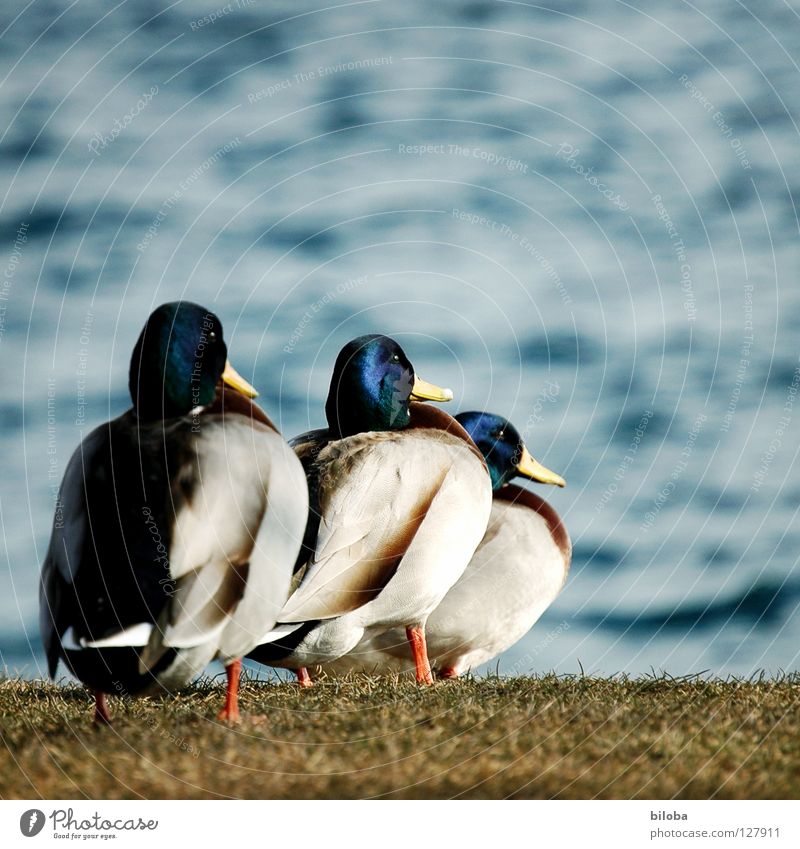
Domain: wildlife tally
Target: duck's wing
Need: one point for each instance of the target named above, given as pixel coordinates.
(241, 505)
(307, 446)
(274, 553)
(374, 493)
(70, 535)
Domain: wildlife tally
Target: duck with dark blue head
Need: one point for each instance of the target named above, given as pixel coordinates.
(399, 497)
(514, 576)
(178, 523)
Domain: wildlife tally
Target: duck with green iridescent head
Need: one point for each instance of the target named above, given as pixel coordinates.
(400, 498)
(516, 573)
(178, 523)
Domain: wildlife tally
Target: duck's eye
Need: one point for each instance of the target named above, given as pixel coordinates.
(212, 336)
(500, 435)
(395, 358)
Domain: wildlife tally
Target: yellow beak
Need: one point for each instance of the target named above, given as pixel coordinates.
(233, 379)
(533, 469)
(424, 391)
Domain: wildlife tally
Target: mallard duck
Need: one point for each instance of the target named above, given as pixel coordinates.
(400, 497)
(177, 524)
(516, 573)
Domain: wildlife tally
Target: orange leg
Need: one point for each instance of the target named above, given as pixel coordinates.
(230, 713)
(448, 672)
(419, 648)
(102, 715)
(303, 678)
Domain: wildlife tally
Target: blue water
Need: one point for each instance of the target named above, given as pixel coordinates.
(584, 218)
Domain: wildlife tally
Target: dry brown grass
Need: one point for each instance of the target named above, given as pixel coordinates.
(543, 737)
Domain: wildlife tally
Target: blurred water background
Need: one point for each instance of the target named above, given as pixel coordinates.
(583, 217)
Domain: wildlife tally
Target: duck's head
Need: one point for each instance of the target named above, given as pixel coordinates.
(178, 360)
(504, 451)
(372, 386)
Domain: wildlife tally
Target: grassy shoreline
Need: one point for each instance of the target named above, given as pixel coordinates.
(524, 737)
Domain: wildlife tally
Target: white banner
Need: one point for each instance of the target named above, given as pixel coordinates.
(397, 825)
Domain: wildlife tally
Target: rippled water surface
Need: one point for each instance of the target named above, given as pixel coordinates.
(581, 217)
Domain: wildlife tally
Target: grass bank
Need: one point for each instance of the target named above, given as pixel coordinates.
(541, 737)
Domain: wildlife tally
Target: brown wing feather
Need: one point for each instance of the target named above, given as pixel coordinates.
(367, 575)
